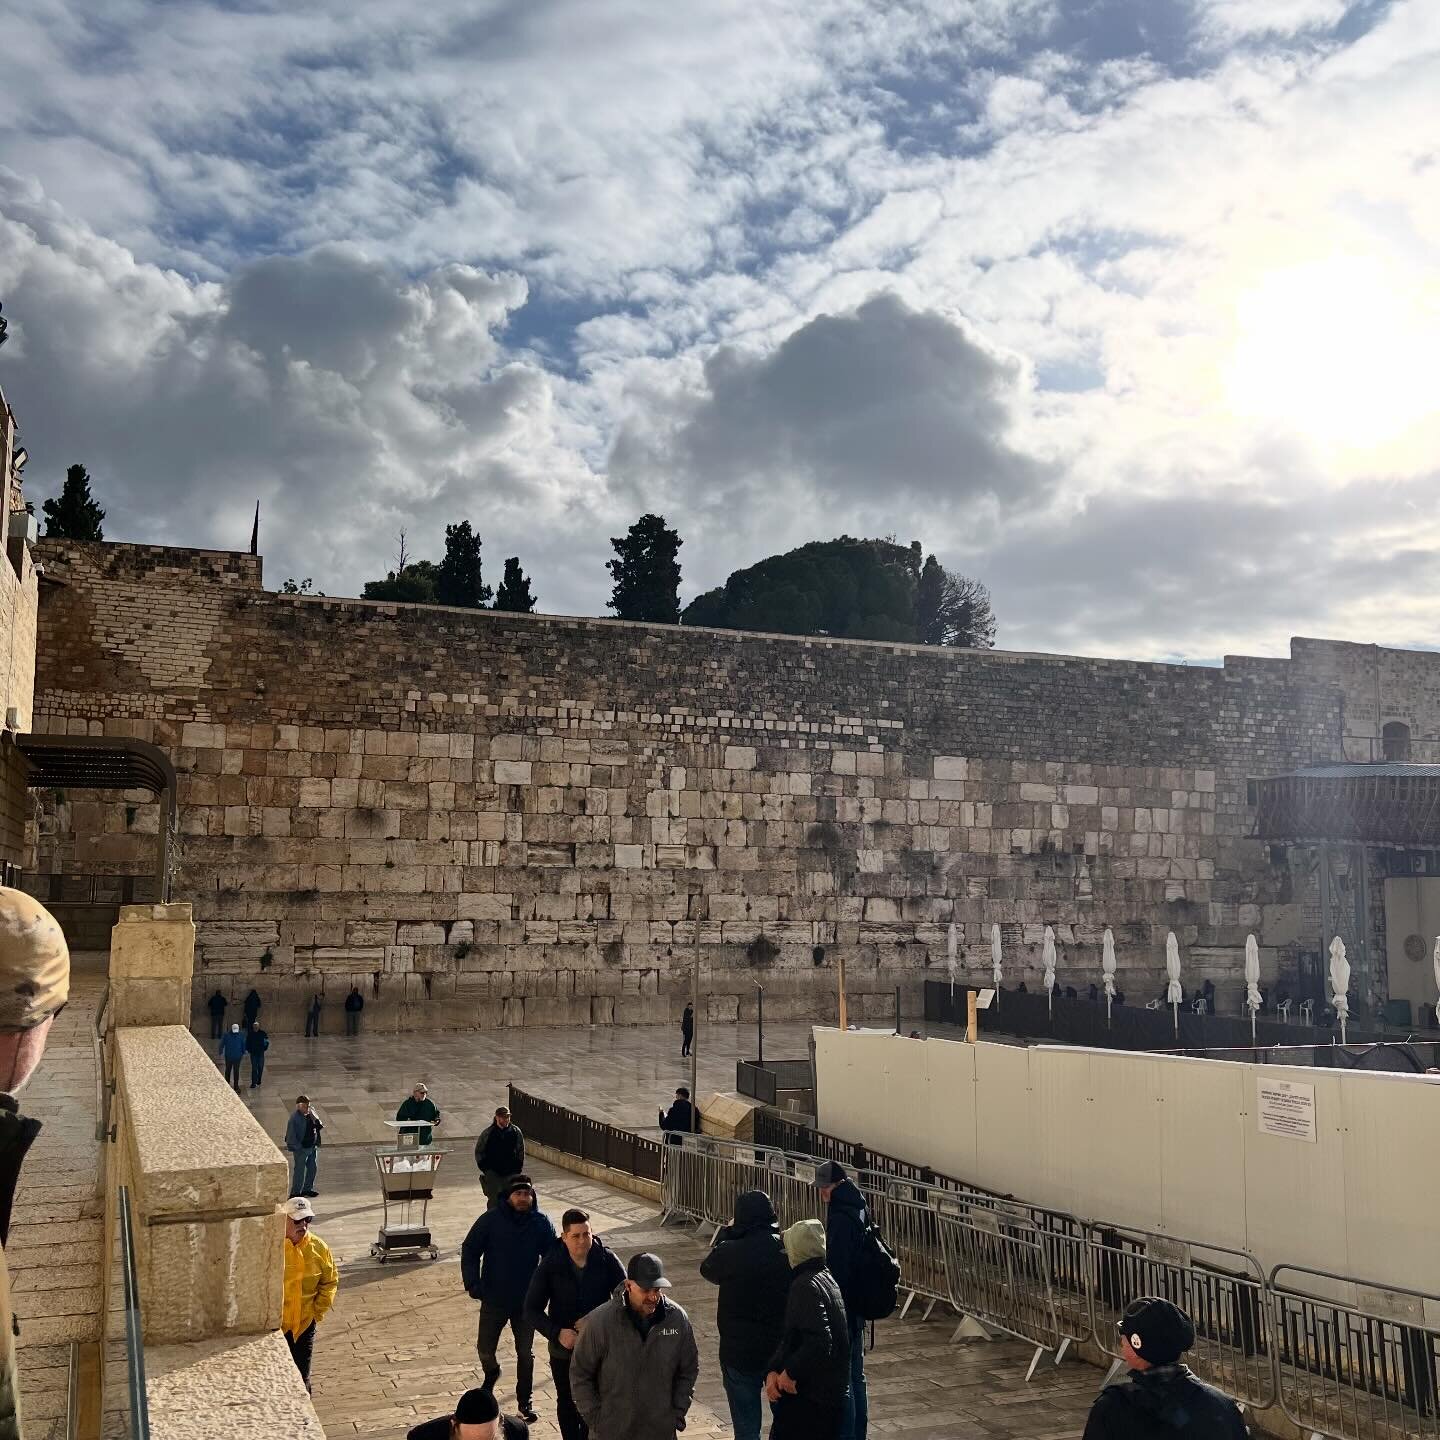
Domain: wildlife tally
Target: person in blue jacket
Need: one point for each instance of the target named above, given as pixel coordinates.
(232, 1051)
(496, 1262)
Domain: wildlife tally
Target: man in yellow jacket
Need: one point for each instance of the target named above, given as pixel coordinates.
(311, 1281)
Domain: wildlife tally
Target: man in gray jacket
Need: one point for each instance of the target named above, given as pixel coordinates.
(635, 1364)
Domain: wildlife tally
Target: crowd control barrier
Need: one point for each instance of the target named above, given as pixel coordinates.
(1354, 1359)
(1342, 1358)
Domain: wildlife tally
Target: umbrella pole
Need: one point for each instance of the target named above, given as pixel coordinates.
(1175, 1016)
(1252, 1025)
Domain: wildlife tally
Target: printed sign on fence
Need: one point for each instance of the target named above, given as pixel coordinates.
(1287, 1107)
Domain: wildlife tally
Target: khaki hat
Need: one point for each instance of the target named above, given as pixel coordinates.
(34, 962)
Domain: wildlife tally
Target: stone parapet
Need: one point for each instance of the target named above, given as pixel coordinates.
(152, 962)
(206, 1183)
(240, 1386)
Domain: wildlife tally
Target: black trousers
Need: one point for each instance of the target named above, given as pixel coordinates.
(217, 1026)
(312, 1023)
(797, 1418)
(302, 1347)
(493, 1320)
(232, 1074)
(572, 1425)
(352, 1022)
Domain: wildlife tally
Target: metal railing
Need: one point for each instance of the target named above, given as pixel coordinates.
(593, 1140)
(134, 1328)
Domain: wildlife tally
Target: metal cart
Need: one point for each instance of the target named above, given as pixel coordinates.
(407, 1181)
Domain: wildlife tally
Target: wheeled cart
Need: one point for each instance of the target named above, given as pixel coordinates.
(407, 1181)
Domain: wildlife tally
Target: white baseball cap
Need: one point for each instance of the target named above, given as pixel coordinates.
(299, 1208)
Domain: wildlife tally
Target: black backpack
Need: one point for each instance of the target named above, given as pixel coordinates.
(877, 1275)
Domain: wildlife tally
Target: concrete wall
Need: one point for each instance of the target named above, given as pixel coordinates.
(1163, 1144)
(486, 818)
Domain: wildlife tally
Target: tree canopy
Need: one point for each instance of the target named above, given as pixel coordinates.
(646, 572)
(457, 577)
(856, 589)
(413, 583)
(514, 592)
(74, 515)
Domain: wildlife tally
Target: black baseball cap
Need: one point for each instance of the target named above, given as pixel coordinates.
(647, 1271)
(1159, 1332)
(832, 1172)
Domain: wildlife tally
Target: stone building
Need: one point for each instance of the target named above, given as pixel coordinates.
(19, 592)
(488, 818)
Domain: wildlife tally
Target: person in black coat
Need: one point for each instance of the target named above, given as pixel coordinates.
(575, 1277)
(687, 1030)
(312, 1015)
(809, 1375)
(252, 1009)
(217, 1003)
(1163, 1400)
(354, 1004)
(497, 1261)
(680, 1117)
(748, 1264)
(257, 1042)
(845, 1222)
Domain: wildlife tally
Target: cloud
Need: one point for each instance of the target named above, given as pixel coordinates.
(998, 276)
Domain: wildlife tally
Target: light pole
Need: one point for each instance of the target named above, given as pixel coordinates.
(695, 1038)
(759, 1025)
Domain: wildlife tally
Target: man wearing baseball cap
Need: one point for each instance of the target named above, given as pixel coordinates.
(476, 1417)
(311, 1281)
(1162, 1397)
(34, 986)
(635, 1365)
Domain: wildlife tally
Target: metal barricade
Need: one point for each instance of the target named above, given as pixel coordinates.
(997, 1272)
(906, 1218)
(1358, 1363)
(1220, 1289)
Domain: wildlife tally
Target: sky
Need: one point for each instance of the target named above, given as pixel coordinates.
(1128, 308)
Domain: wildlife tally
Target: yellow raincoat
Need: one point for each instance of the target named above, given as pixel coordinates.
(311, 1281)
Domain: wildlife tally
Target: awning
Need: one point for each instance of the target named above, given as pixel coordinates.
(106, 762)
(1383, 804)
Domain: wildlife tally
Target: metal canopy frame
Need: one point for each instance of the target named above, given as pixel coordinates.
(1377, 805)
(107, 762)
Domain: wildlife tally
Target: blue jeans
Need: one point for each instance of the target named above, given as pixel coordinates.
(304, 1177)
(857, 1402)
(743, 1390)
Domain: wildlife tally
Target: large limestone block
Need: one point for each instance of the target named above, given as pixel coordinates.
(245, 1385)
(153, 941)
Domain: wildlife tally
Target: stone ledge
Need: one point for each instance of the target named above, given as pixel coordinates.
(196, 1149)
(244, 1386)
(631, 1184)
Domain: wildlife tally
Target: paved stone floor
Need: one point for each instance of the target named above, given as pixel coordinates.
(400, 1344)
(54, 1249)
(617, 1073)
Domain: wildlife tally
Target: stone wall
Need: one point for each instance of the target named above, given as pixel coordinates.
(19, 601)
(486, 818)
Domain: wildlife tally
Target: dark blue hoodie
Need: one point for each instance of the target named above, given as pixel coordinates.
(845, 1221)
(503, 1248)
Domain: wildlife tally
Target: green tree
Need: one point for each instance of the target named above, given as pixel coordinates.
(74, 516)
(514, 592)
(952, 609)
(646, 572)
(413, 584)
(299, 587)
(457, 578)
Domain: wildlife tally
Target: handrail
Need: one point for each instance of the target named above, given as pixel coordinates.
(103, 1089)
(134, 1331)
(72, 1394)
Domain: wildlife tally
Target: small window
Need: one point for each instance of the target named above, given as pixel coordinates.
(1252, 792)
(1395, 741)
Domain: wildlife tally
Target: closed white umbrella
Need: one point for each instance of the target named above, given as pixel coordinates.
(1340, 983)
(997, 972)
(952, 941)
(1047, 959)
(1173, 993)
(1252, 980)
(1436, 963)
(1107, 968)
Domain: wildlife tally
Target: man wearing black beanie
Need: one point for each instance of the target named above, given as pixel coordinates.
(1162, 1398)
(476, 1417)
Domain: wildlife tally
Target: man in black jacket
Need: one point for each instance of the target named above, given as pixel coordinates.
(680, 1117)
(496, 1262)
(354, 1004)
(499, 1154)
(845, 1222)
(577, 1276)
(217, 1004)
(1162, 1399)
(809, 1373)
(476, 1417)
(748, 1264)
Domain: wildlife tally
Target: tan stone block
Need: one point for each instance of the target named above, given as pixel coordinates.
(314, 794)
(951, 767)
(512, 772)
(739, 757)
(485, 907)
(842, 762)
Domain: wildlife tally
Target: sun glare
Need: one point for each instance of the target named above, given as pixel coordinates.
(1342, 352)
